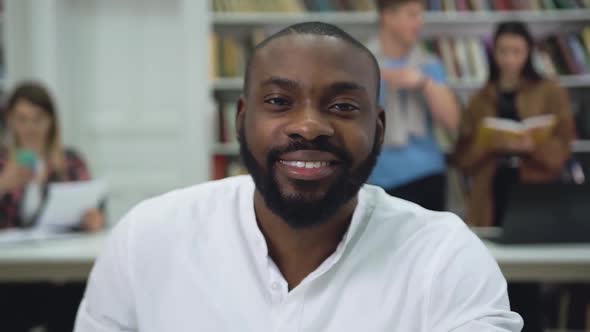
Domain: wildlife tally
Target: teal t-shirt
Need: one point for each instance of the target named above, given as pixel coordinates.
(422, 156)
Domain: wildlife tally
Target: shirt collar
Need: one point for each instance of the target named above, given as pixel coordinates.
(255, 238)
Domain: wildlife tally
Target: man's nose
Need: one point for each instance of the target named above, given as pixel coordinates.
(309, 123)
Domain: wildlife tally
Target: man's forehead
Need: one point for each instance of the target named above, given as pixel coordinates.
(302, 55)
(316, 47)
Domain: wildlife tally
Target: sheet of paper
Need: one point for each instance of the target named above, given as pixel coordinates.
(68, 201)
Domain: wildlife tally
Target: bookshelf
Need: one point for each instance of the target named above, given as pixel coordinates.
(243, 25)
(233, 85)
(250, 20)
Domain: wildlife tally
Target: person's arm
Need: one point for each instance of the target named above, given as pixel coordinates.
(76, 167)
(468, 291)
(555, 151)
(109, 301)
(442, 102)
(77, 170)
(468, 154)
(12, 177)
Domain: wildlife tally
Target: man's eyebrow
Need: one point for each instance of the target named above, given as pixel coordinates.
(339, 87)
(336, 87)
(281, 82)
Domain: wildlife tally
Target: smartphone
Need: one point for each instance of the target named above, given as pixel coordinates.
(26, 158)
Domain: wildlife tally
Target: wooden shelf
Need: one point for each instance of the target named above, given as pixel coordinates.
(581, 146)
(226, 149)
(575, 81)
(228, 84)
(256, 19)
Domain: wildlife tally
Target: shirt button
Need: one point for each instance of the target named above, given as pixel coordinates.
(275, 286)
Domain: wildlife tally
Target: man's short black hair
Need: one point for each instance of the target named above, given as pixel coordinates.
(317, 29)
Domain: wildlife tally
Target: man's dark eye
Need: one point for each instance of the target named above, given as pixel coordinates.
(344, 107)
(277, 101)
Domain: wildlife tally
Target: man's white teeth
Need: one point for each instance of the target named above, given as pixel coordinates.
(306, 164)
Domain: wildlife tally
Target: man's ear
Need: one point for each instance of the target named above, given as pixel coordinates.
(381, 125)
(240, 114)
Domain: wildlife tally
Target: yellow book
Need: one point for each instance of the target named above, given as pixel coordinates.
(539, 127)
(232, 57)
(449, 5)
(586, 38)
(258, 36)
(535, 5)
(214, 55)
(296, 6)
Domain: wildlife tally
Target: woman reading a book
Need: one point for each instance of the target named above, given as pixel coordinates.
(31, 158)
(517, 128)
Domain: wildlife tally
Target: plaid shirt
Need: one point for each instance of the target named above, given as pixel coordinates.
(10, 203)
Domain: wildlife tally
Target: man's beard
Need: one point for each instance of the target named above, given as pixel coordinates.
(299, 210)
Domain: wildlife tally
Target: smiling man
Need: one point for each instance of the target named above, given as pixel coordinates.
(302, 244)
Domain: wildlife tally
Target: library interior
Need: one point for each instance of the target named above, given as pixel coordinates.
(133, 146)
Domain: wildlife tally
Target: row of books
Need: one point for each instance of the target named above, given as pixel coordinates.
(465, 58)
(226, 123)
(566, 54)
(478, 5)
(291, 6)
(229, 53)
(298, 6)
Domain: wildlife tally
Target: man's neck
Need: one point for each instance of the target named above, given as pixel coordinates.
(392, 47)
(298, 252)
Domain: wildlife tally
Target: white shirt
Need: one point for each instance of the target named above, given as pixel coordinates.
(195, 260)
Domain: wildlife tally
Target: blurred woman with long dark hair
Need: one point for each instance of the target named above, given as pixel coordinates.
(514, 91)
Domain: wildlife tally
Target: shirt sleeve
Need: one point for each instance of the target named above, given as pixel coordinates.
(9, 201)
(108, 304)
(436, 71)
(468, 291)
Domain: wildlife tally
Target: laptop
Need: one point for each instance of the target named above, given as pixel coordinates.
(546, 213)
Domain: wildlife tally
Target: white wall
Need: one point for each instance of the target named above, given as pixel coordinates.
(131, 80)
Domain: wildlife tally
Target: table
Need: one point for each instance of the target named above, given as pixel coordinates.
(71, 260)
(58, 260)
(543, 263)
